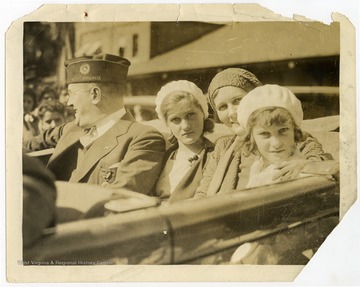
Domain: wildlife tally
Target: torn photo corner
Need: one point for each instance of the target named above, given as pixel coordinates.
(166, 42)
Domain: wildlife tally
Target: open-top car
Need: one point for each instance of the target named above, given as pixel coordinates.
(199, 231)
(123, 227)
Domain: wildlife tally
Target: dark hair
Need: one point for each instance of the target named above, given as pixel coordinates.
(51, 106)
(48, 90)
(269, 116)
(32, 94)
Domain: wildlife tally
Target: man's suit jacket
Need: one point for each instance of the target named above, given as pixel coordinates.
(129, 155)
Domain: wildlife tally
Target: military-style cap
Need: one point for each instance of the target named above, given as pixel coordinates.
(101, 68)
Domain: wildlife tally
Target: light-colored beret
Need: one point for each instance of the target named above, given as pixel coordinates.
(269, 96)
(181, 86)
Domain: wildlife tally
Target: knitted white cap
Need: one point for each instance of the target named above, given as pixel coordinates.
(184, 86)
(269, 96)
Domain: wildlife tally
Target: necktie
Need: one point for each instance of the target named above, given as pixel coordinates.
(89, 137)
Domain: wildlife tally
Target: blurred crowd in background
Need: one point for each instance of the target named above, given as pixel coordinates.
(44, 106)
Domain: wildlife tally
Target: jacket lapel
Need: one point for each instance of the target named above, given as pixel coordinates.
(187, 186)
(66, 142)
(183, 190)
(222, 168)
(101, 147)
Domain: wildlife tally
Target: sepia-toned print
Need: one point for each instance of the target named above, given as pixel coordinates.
(186, 143)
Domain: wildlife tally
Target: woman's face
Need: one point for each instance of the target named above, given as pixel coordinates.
(226, 103)
(186, 122)
(28, 104)
(275, 143)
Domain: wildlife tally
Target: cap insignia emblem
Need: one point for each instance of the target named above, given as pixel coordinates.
(85, 69)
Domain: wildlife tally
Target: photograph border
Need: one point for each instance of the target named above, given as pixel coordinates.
(183, 13)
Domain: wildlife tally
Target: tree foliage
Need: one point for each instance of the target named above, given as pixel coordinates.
(43, 44)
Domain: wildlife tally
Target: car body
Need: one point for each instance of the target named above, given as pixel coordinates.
(206, 231)
(141, 107)
(188, 232)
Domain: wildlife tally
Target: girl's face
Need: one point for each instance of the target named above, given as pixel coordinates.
(226, 103)
(51, 120)
(28, 104)
(275, 143)
(186, 122)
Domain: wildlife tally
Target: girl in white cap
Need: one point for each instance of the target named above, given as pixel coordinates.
(227, 167)
(272, 117)
(183, 108)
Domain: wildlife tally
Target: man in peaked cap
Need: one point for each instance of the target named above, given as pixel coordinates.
(103, 145)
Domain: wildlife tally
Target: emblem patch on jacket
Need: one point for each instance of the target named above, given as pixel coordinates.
(107, 175)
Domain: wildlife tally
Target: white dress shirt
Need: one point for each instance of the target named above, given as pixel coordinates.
(101, 127)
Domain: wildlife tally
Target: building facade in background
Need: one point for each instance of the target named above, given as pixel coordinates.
(302, 56)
